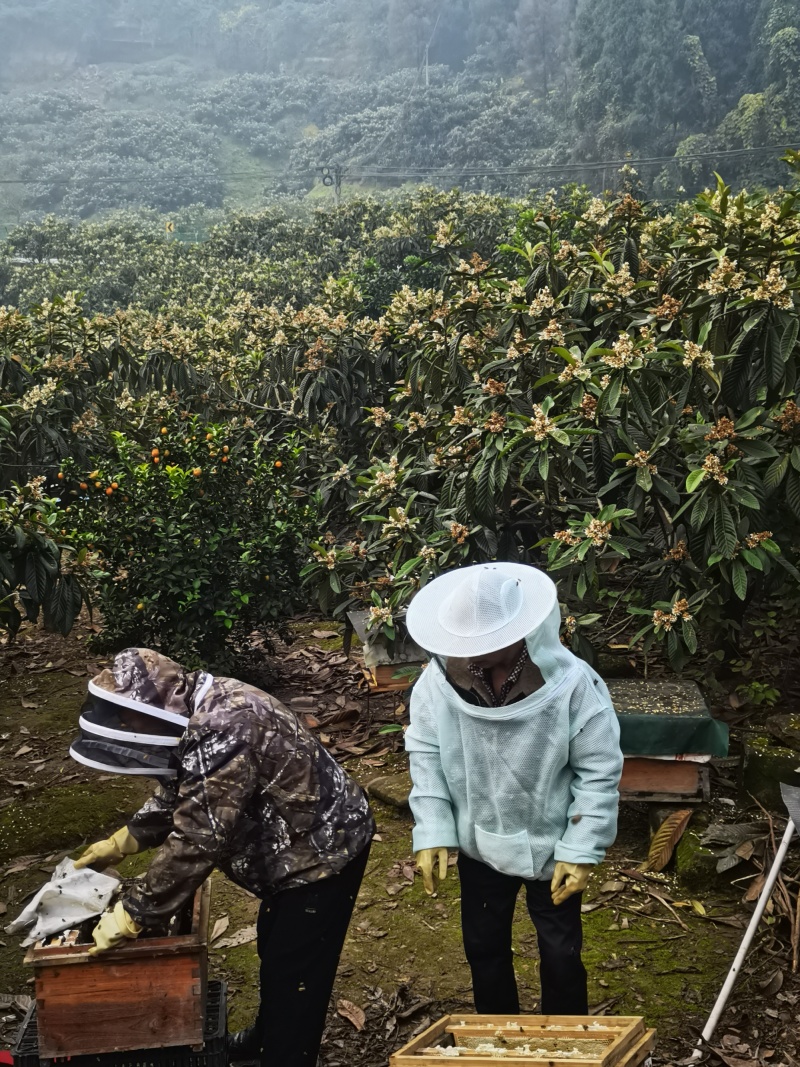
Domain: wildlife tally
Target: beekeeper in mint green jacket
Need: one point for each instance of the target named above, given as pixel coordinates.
(515, 762)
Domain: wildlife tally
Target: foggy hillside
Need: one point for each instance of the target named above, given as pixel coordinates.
(114, 103)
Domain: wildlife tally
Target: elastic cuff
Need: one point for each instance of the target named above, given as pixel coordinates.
(567, 854)
(433, 839)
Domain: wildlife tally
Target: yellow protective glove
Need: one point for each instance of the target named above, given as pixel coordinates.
(114, 849)
(426, 861)
(114, 928)
(569, 878)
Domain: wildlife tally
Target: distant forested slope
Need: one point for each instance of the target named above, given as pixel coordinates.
(113, 103)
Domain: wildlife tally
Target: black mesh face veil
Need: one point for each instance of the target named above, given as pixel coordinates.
(121, 759)
(118, 738)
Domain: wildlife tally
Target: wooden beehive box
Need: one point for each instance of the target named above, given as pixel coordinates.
(551, 1040)
(147, 994)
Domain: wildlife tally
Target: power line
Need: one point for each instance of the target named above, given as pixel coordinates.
(109, 179)
(560, 168)
(452, 171)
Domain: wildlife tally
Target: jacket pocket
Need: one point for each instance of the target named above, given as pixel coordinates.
(507, 853)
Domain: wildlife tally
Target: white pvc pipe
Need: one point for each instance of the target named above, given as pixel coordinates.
(733, 973)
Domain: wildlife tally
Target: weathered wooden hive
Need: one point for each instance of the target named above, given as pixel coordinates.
(149, 993)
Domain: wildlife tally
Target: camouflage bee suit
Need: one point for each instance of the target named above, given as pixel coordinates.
(256, 794)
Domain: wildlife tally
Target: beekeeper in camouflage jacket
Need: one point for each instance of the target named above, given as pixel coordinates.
(249, 789)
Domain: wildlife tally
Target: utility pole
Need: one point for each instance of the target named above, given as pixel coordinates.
(337, 185)
(427, 76)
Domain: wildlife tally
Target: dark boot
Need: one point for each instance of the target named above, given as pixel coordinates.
(244, 1045)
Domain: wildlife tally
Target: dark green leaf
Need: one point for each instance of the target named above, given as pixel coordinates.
(793, 492)
(724, 529)
(739, 579)
(775, 473)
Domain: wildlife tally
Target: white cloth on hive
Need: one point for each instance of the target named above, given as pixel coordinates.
(68, 899)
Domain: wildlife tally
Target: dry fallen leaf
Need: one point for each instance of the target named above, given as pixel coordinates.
(241, 937)
(323, 635)
(773, 983)
(31, 704)
(350, 1011)
(220, 926)
(23, 751)
(732, 1061)
(754, 889)
(665, 839)
(612, 886)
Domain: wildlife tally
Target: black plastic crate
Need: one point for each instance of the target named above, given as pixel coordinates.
(214, 1052)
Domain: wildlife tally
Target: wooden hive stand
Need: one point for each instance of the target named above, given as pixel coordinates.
(146, 994)
(551, 1040)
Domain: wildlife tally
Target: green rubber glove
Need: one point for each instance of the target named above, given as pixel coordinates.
(426, 861)
(114, 928)
(113, 850)
(569, 878)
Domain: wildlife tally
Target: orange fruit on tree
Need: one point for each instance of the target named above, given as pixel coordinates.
(83, 485)
(60, 476)
(156, 459)
(197, 472)
(115, 485)
(278, 463)
(98, 485)
(140, 606)
(224, 459)
(109, 491)
(209, 436)
(154, 452)
(163, 429)
(225, 448)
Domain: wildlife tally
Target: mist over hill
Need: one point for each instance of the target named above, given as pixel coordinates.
(131, 103)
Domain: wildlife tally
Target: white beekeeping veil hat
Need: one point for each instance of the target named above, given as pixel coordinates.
(476, 610)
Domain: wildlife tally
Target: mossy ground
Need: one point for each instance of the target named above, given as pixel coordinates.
(303, 633)
(398, 938)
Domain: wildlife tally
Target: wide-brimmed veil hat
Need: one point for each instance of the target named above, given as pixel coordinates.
(475, 610)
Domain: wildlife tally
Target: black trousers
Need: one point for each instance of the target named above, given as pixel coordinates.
(488, 899)
(301, 932)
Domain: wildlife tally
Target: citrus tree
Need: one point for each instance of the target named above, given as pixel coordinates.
(196, 537)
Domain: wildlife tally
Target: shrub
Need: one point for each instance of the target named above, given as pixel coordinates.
(39, 569)
(622, 413)
(198, 535)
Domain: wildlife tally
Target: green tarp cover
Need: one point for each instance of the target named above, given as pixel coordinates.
(666, 718)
